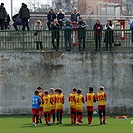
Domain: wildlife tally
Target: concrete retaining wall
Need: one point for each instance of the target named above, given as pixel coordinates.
(21, 73)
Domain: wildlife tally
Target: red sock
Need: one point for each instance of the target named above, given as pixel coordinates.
(33, 119)
(72, 118)
(90, 119)
(79, 118)
(48, 118)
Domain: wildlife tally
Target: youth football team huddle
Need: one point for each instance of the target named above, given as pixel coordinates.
(51, 102)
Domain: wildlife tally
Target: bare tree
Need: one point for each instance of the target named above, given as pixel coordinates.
(126, 7)
(34, 5)
(85, 8)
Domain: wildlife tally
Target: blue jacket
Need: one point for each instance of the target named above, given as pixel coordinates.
(131, 28)
(67, 29)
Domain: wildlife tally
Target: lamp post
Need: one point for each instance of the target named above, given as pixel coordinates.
(11, 8)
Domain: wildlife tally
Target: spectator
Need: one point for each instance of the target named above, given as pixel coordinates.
(2, 16)
(74, 16)
(24, 15)
(131, 28)
(81, 27)
(7, 21)
(17, 21)
(67, 34)
(38, 34)
(55, 27)
(61, 17)
(97, 34)
(109, 34)
(51, 16)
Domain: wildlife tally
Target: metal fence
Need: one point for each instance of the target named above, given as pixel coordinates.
(27, 40)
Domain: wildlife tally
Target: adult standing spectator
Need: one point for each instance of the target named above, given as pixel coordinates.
(74, 16)
(55, 27)
(24, 15)
(81, 27)
(97, 34)
(61, 17)
(131, 28)
(109, 39)
(67, 34)
(38, 35)
(3, 15)
(50, 17)
(101, 98)
(17, 21)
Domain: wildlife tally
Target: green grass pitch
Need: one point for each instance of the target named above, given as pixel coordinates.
(22, 124)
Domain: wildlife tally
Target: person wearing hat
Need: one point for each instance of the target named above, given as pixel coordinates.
(101, 98)
(81, 27)
(3, 15)
(24, 15)
(67, 34)
(90, 99)
(109, 38)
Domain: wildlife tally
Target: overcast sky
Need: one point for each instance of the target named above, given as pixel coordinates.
(17, 4)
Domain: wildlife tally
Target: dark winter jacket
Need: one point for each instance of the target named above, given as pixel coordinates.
(61, 16)
(51, 16)
(74, 17)
(97, 29)
(81, 31)
(24, 12)
(55, 30)
(16, 19)
(3, 13)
